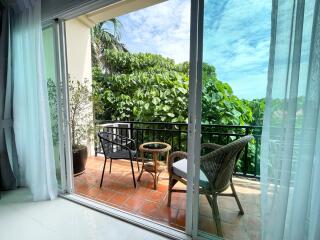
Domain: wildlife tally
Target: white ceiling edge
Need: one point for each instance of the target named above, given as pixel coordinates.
(91, 12)
(70, 9)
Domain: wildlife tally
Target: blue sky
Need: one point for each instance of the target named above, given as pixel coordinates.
(236, 38)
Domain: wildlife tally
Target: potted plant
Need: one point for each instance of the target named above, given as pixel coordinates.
(81, 119)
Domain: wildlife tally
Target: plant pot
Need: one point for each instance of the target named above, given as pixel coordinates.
(80, 156)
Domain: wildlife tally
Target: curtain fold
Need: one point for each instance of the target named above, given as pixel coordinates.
(30, 102)
(8, 159)
(290, 157)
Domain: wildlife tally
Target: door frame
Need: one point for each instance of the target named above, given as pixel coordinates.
(194, 116)
(61, 35)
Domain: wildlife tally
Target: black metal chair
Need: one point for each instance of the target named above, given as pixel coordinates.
(115, 146)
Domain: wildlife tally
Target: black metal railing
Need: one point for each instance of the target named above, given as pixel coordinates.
(176, 134)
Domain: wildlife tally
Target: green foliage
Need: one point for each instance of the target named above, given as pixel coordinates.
(141, 87)
(149, 87)
(279, 111)
(257, 107)
(102, 39)
(80, 112)
(52, 97)
(220, 105)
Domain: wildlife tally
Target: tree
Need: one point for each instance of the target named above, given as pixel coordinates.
(142, 87)
(149, 87)
(219, 104)
(103, 38)
(257, 107)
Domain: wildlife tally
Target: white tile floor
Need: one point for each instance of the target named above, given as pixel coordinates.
(22, 219)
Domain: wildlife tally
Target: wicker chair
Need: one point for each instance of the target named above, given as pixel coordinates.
(117, 147)
(216, 169)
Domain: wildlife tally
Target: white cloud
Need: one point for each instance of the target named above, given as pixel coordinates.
(161, 29)
(236, 38)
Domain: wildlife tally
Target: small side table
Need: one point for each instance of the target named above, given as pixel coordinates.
(153, 167)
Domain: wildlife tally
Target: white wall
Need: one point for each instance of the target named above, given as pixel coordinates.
(78, 40)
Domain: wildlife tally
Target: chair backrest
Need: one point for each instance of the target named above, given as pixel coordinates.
(106, 142)
(124, 129)
(111, 142)
(218, 165)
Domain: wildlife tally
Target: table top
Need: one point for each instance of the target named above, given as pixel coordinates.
(155, 147)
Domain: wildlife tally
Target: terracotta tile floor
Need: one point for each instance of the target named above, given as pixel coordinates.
(118, 191)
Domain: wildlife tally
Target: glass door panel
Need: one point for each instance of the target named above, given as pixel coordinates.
(54, 93)
(234, 42)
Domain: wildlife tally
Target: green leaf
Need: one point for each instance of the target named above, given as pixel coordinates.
(166, 108)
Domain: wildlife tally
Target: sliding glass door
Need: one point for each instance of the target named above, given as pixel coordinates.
(53, 91)
(232, 54)
(54, 69)
(55, 62)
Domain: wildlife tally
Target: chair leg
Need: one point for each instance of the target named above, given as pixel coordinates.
(172, 182)
(169, 192)
(138, 164)
(104, 167)
(132, 170)
(110, 165)
(154, 181)
(241, 212)
(140, 175)
(209, 200)
(216, 215)
(142, 167)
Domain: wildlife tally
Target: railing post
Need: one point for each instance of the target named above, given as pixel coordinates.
(142, 136)
(96, 140)
(131, 130)
(179, 137)
(256, 157)
(245, 170)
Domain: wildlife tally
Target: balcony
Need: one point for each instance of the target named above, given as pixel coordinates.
(118, 191)
(176, 135)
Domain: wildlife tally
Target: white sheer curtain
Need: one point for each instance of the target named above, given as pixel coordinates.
(290, 159)
(30, 100)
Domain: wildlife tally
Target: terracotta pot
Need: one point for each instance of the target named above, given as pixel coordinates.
(80, 156)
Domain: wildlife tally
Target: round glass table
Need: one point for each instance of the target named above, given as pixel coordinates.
(153, 167)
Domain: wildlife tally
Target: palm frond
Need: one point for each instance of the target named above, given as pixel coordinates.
(104, 39)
